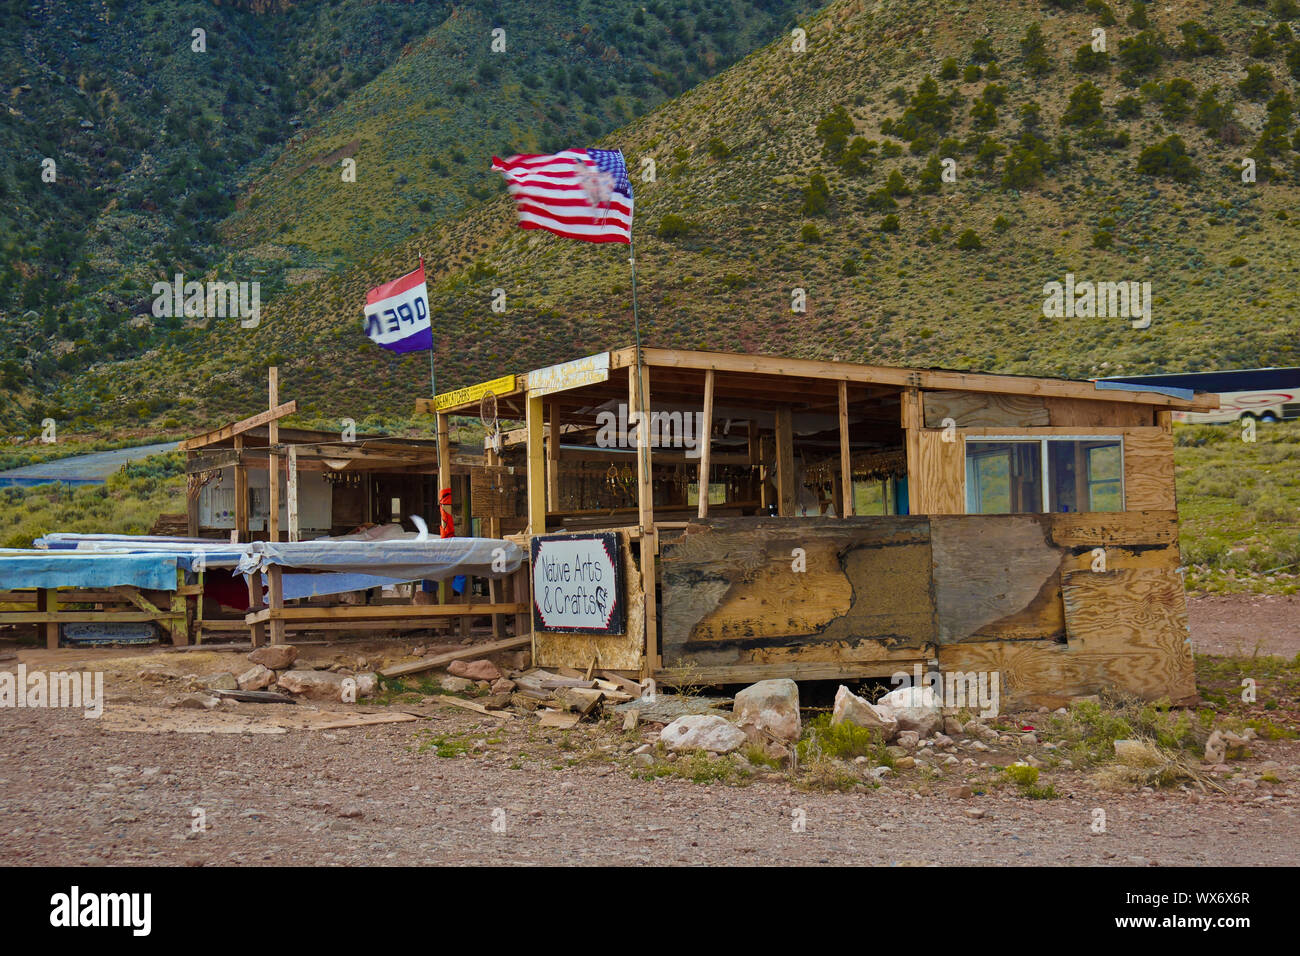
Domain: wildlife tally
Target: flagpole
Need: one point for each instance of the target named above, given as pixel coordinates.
(643, 418)
(432, 382)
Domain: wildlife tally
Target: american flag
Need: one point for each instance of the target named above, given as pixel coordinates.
(580, 193)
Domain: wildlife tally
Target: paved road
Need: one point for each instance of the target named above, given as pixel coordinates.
(93, 467)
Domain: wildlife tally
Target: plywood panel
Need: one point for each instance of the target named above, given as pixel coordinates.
(1149, 470)
(996, 576)
(731, 593)
(1085, 412)
(985, 409)
(1132, 626)
(624, 652)
(937, 483)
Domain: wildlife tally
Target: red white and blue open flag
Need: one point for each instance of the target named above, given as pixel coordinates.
(580, 193)
(397, 313)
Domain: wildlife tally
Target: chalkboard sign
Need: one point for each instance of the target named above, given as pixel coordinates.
(578, 584)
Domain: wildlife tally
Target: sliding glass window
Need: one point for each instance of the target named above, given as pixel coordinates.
(1006, 476)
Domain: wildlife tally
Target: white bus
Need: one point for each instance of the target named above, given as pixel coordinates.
(1264, 394)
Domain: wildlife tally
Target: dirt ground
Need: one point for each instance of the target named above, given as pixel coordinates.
(457, 787)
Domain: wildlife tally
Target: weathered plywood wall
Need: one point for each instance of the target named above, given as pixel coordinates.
(740, 592)
(979, 592)
(936, 481)
(1149, 470)
(987, 410)
(619, 652)
(973, 409)
(1129, 628)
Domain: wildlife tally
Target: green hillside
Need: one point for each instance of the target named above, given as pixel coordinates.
(218, 155)
(818, 170)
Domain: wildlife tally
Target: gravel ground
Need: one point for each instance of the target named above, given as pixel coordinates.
(74, 792)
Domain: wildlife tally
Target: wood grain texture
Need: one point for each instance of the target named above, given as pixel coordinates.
(1149, 470)
(984, 409)
(996, 578)
(1086, 412)
(937, 485)
(731, 594)
(1130, 627)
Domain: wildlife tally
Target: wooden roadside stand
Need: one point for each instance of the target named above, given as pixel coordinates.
(330, 485)
(779, 517)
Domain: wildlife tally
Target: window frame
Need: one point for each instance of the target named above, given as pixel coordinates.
(1045, 466)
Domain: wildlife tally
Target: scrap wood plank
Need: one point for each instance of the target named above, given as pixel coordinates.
(559, 719)
(580, 700)
(626, 685)
(471, 650)
(477, 708)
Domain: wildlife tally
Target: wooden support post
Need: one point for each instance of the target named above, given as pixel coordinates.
(706, 443)
(911, 422)
(275, 587)
(241, 492)
(785, 491)
(644, 461)
(180, 620)
(192, 492)
(649, 552)
(846, 461)
(273, 460)
(444, 481)
(47, 600)
(536, 468)
(521, 594)
(553, 456)
(495, 597)
(291, 496)
(256, 632)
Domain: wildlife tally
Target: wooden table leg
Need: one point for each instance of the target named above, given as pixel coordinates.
(257, 632)
(47, 599)
(275, 587)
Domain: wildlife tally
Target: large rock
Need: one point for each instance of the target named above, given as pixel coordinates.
(318, 685)
(703, 732)
(915, 708)
(222, 681)
(850, 708)
(770, 707)
(256, 677)
(456, 685)
(277, 657)
(367, 684)
(474, 670)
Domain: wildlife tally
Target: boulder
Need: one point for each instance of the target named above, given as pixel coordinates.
(952, 726)
(1216, 750)
(703, 732)
(222, 681)
(318, 685)
(456, 685)
(277, 657)
(256, 677)
(908, 739)
(474, 670)
(915, 708)
(770, 707)
(503, 686)
(851, 708)
(367, 684)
